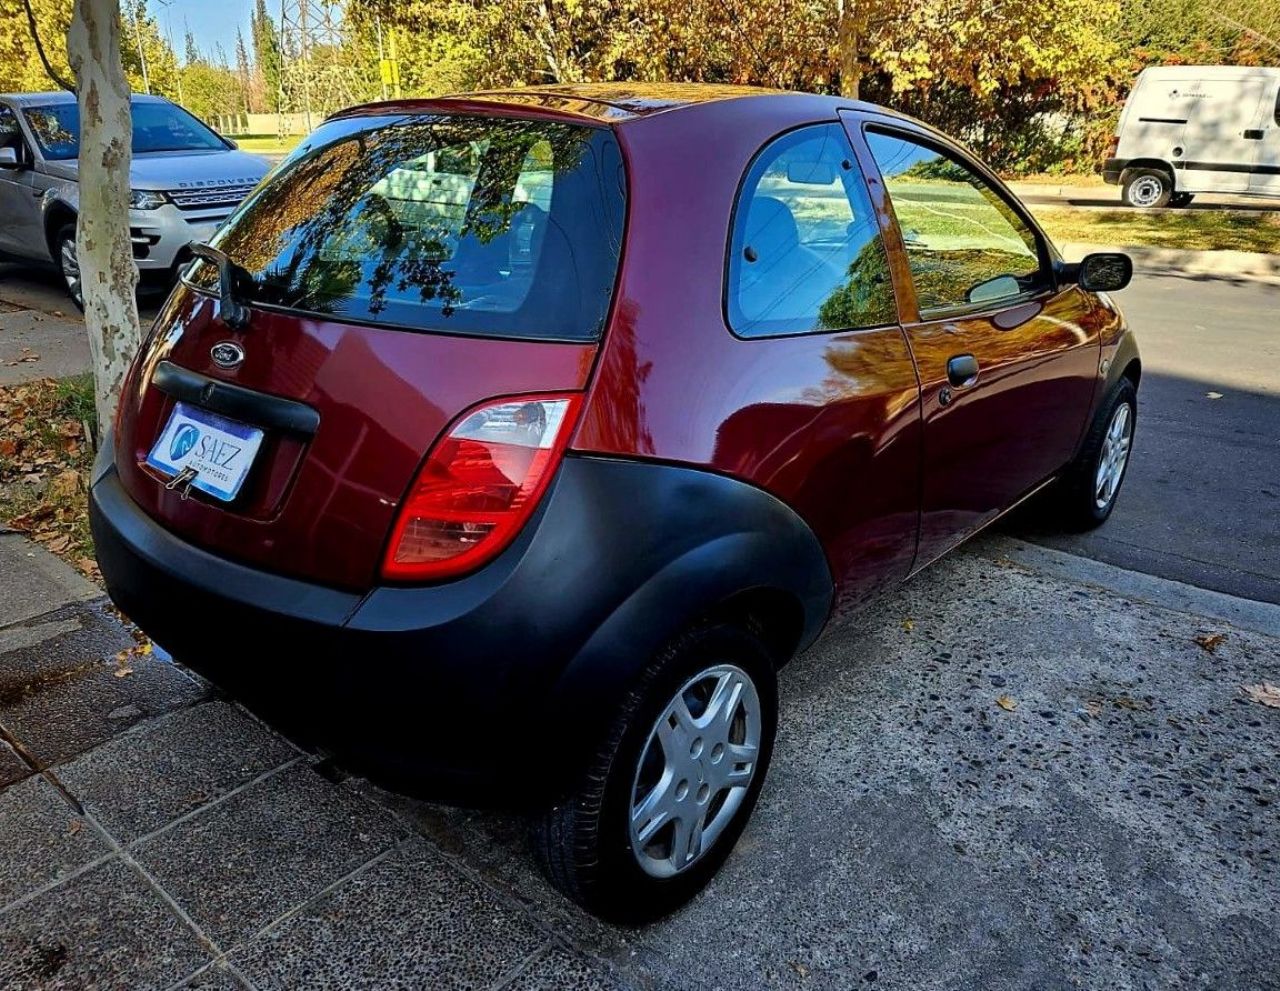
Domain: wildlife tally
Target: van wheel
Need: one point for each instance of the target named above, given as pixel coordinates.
(1088, 491)
(1181, 199)
(671, 788)
(1146, 188)
(64, 247)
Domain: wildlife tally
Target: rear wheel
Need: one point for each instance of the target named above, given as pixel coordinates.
(64, 247)
(674, 783)
(1146, 188)
(1091, 485)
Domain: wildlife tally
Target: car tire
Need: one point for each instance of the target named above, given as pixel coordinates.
(1147, 188)
(1180, 200)
(64, 255)
(1083, 501)
(587, 844)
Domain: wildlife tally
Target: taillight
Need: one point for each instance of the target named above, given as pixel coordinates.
(478, 486)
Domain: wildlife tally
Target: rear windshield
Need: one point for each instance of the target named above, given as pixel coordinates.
(482, 226)
(156, 127)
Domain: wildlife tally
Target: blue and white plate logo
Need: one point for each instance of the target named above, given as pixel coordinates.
(183, 442)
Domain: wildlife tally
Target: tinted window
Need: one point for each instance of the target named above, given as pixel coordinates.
(484, 226)
(965, 245)
(156, 127)
(806, 253)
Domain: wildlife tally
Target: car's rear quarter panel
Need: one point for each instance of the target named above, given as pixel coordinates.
(828, 423)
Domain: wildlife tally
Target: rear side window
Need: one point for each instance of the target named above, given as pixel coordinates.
(482, 226)
(966, 246)
(805, 253)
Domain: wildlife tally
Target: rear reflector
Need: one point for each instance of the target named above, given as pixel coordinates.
(479, 486)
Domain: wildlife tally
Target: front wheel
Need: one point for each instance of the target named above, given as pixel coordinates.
(1092, 483)
(674, 783)
(64, 244)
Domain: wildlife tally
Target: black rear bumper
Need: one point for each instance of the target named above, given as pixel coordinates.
(493, 688)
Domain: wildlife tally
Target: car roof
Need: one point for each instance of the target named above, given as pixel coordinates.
(62, 96)
(609, 103)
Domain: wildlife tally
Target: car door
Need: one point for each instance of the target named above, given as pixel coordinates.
(1008, 363)
(19, 208)
(1265, 178)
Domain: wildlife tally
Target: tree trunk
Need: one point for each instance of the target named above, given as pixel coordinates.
(850, 38)
(108, 276)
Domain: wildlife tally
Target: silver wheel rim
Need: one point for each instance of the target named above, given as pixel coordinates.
(695, 770)
(1146, 191)
(70, 268)
(1114, 456)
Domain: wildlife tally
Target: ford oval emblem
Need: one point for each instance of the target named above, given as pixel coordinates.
(227, 354)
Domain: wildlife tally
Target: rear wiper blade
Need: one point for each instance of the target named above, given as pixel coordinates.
(231, 277)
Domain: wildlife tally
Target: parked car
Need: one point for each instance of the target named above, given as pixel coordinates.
(526, 500)
(185, 180)
(1189, 129)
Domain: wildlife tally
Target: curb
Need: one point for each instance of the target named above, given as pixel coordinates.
(1179, 261)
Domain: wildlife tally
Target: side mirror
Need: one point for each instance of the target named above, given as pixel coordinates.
(1104, 271)
(9, 158)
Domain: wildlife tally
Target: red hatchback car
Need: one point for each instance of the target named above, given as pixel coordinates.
(508, 444)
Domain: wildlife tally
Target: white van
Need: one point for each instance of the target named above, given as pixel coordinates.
(1190, 129)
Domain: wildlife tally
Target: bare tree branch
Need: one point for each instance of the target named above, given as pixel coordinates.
(44, 59)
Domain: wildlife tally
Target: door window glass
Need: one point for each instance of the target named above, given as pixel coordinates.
(10, 135)
(965, 245)
(806, 253)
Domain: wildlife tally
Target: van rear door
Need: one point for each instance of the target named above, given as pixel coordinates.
(1219, 150)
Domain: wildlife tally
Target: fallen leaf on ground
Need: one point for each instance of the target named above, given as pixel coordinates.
(1265, 694)
(1135, 705)
(124, 671)
(799, 968)
(1006, 703)
(1210, 641)
(75, 827)
(908, 624)
(1213, 395)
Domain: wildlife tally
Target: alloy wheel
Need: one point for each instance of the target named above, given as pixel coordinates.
(695, 770)
(1114, 456)
(70, 268)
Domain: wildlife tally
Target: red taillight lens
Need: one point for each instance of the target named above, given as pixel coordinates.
(478, 486)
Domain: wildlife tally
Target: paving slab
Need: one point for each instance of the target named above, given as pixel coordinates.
(61, 718)
(170, 767)
(12, 767)
(38, 345)
(106, 929)
(57, 646)
(41, 840)
(215, 978)
(410, 920)
(247, 860)
(34, 582)
(562, 970)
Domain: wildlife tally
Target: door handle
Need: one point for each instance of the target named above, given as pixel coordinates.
(962, 370)
(1253, 134)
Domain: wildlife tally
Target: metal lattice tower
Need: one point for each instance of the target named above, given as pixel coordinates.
(317, 74)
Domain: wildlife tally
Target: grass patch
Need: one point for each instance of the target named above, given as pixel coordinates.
(268, 144)
(1200, 230)
(45, 459)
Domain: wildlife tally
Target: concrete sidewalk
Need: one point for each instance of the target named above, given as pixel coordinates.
(1013, 773)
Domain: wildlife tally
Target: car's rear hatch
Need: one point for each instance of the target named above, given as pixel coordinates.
(397, 271)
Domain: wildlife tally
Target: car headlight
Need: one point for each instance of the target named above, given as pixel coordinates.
(146, 199)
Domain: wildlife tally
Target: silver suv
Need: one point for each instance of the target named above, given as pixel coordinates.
(185, 180)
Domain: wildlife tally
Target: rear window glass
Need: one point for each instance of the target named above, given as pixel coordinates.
(483, 226)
